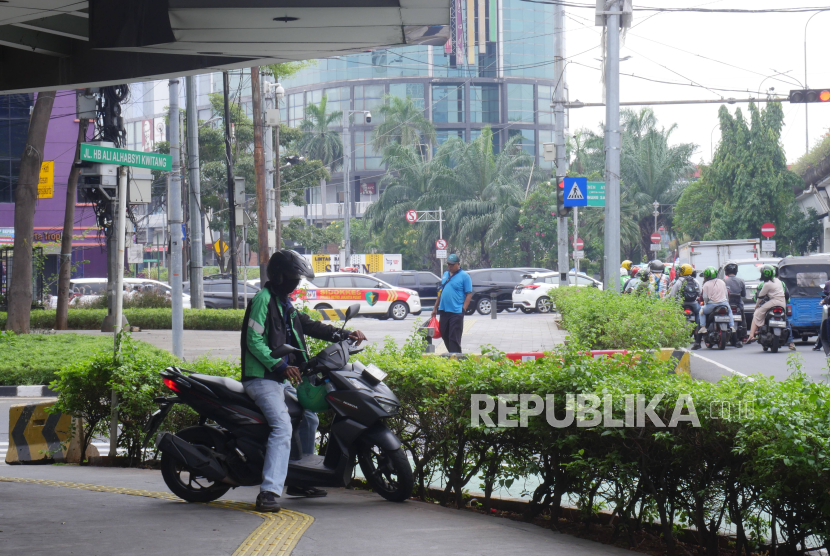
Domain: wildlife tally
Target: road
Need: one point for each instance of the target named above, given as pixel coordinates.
(709, 364)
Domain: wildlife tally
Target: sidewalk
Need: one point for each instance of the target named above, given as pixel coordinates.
(510, 332)
(40, 519)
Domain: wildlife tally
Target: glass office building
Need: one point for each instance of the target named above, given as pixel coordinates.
(496, 70)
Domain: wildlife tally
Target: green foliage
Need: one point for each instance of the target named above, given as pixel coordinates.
(319, 141)
(402, 122)
(608, 320)
(91, 319)
(748, 184)
(311, 237)
(812, 159)
(35, 358)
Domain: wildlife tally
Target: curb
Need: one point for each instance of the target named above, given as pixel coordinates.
(27, 392)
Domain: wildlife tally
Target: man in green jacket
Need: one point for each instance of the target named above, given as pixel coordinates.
(271, 322)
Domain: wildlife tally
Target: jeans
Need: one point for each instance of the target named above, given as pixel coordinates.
(269, 396)
(308, 426)
(695, 308)
(709, 307)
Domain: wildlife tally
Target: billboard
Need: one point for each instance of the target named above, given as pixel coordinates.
(366, 264)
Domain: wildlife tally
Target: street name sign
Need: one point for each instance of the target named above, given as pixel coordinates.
(123, 157)
(579, 254)
(768, 245)
(596, 193)
(441, 253)
(655, 247)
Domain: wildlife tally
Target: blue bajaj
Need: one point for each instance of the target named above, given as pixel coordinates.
(804, 278)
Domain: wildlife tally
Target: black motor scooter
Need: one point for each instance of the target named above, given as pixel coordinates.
(200, 463)
(737, 339)
(774, 333)
(716, 331)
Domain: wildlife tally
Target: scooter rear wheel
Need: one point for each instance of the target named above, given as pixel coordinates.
(774, 347)
(387, 472)
(183, 482)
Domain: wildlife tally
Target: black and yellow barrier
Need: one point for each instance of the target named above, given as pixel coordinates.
(680, 357)
(332, 314)
(36, 436)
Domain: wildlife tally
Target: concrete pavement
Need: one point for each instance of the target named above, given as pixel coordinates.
(48, 519)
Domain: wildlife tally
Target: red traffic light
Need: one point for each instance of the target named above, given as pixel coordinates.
(803, 96)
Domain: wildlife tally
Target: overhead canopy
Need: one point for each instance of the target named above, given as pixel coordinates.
(52, 44)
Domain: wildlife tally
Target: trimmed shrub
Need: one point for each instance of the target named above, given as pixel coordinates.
(608, 320)
(91, 319)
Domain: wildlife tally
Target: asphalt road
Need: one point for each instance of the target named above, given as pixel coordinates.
(711, 364)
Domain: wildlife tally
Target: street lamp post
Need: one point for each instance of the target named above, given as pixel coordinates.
(279, 93)
(656, 213)
(347, 193)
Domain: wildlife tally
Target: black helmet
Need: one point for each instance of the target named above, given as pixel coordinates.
(287, 264)
(656, 266)
(730, 269)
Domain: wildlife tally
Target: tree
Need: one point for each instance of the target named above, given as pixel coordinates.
(404, 123)
(319, 141)
(19, 297)
(749, 184)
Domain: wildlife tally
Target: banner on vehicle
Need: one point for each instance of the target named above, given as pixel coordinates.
(365, 264)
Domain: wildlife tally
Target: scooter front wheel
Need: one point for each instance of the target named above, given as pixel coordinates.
(387, 472)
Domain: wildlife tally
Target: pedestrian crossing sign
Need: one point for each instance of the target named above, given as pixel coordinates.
(576, 192)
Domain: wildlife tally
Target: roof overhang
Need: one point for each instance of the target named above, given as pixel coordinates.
(52, 44)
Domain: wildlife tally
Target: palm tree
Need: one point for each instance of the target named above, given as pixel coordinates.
(651, 169)
(319, 141)
(403, 123)
(487, 191)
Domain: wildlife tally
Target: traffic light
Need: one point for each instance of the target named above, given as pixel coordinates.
(802, 96)
(561, 209)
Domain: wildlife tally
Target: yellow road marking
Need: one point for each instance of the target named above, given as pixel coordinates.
(277, 535)
(441, 348)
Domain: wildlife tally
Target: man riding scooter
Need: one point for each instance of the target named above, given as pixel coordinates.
(714, 294)
(271, 322)
(737, 291)
(687, 289)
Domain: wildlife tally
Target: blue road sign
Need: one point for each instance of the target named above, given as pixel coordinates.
(576, 192)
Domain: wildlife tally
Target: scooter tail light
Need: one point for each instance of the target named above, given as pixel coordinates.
(789, 310)
(778, 310)
(170, 383)
(688, 311)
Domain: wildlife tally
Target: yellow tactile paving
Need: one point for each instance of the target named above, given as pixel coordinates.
(277, 535)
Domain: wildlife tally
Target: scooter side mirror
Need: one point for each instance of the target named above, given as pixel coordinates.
(352, 310)
(284, 350)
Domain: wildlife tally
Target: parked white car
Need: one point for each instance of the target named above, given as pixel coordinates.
(531, 294)
(87, 290)
(339, 290)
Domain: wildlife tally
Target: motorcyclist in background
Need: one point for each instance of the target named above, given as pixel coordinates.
(773, 293)
(625, 272)
(686, 288)
(714, 295)
(657, 271)
(642, 284)
(632, 278)
(736, 286)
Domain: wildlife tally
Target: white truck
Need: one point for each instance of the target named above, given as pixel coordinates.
(701, 254)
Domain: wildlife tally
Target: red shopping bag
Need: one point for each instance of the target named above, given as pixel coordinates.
(433, 323)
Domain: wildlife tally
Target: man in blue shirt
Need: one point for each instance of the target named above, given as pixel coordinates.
(454, 297)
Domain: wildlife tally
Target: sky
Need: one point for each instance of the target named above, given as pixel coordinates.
(715, 50)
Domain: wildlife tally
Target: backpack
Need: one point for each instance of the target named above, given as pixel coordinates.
(691, 290)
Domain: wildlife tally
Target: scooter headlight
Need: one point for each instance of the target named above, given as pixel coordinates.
(358, 384)
(388, 406)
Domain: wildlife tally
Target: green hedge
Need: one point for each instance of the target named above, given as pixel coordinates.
(762, 448)
(91, 319)
(608, 320)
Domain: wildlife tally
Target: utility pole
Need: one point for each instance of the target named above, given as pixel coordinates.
(347, 187)
(559, 133)
(259, 169)
(197, 297)
(278, 178)
(612, 148)
(231, 204)
(174, 218)
(268, 145)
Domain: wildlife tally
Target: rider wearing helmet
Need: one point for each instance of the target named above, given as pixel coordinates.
(658, 275)
(714, 295)
(631, 280)
(687, 289)
(641, 284)
(735, 285)
(625, 272)
(270, 324)
(772, 293)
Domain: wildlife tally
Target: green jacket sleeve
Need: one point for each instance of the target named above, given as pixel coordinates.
(256, 338)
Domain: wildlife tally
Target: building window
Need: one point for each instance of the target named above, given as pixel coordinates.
(365, 157)
(526, 140)
(520, 103)
(14, 128)
(484, 104)
(415, 91)
(444, 135)
(338, 99)
(296, 109)
(367, 97)
(448, 104)
(545, 95)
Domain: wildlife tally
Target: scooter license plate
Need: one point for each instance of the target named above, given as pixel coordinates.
(721, 318)
(777, 324)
